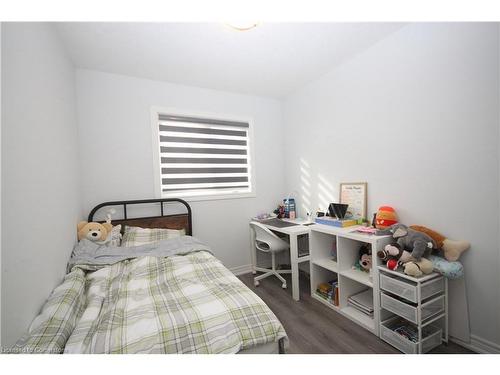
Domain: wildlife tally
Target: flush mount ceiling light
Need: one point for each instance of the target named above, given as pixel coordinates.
(242, 25)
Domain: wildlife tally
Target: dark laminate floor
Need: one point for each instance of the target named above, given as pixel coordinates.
(313, 328)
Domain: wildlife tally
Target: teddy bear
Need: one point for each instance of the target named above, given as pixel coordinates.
(93, 231)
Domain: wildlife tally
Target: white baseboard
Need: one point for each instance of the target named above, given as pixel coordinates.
(241, 270)
(478, 345)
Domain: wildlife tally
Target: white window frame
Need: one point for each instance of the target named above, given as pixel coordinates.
(156, 111)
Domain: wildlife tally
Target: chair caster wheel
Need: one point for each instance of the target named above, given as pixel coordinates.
(256, 283)
(283, 286)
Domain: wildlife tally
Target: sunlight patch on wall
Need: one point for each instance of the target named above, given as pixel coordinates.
(305, 187)
(326, 192)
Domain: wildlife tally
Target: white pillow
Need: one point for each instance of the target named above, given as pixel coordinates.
(135, 236)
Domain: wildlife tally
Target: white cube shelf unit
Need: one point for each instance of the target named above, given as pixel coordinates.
(350, 281)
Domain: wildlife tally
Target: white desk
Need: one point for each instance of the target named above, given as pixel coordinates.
(292, 232)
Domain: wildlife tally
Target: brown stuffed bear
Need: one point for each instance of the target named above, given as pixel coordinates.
(93, 231)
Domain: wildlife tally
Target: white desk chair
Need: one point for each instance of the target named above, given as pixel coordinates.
(267, 242)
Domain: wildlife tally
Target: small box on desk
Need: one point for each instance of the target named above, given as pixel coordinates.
(343, 223)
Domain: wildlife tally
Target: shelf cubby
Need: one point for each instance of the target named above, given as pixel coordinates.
(320, 275)
(328, 264)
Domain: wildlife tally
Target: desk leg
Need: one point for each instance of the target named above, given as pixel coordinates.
(294, 255)
(253, 254)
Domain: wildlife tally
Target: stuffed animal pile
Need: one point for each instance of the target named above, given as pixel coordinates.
(413, 246)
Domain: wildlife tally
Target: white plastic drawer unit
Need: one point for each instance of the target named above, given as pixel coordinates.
(431, 338)
(408, 289)
(410, 312)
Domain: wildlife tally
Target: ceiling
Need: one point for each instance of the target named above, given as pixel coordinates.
(273, 59)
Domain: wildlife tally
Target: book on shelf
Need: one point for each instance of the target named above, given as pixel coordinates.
(362, 301)
(329, 291)
(340, 223)
(369, 313)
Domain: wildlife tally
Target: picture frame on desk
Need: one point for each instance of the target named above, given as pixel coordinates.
(354, 194)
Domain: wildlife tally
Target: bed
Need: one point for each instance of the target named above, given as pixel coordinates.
(170, 296)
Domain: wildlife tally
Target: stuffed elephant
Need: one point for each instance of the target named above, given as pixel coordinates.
(418, 243)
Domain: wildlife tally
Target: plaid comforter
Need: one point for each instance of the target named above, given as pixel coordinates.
(178, 304)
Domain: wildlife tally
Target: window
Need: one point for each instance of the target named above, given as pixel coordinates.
(201, 157)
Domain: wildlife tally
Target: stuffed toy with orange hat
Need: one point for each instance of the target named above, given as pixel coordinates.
(385, 217)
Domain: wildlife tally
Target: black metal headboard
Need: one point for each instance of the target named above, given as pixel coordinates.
(174, 221)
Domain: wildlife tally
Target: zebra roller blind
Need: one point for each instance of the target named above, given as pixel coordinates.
(201, 156)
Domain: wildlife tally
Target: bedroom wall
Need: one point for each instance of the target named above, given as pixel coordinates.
(40, 183)
(416, 116)
(0, 184)
(114, 114)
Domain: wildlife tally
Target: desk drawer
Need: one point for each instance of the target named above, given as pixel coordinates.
(410, 312)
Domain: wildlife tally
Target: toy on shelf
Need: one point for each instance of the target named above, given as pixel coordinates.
(392, 264)
(408, 251)
(385, 217)
(418, 268)
(394, 255)
(413, 249)
(396, 251)
(418, 243)
(452, 249)
(364, 262)
(451, 270)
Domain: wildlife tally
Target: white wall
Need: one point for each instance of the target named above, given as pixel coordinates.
(0, 184)
(416, 116)
(114, 114)
(40, 190)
